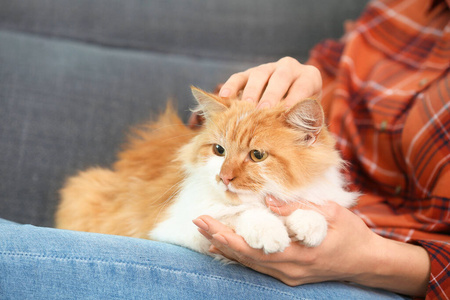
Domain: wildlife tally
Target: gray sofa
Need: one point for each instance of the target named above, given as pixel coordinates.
(75, 75)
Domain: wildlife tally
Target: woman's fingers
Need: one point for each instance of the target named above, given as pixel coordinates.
(277, 87)
(224, 239)
(234, 84)
(285, 80)
(299, 90)
(283, 208)
(211, 225)
(257, 82)
(234, 247)
(219, 232)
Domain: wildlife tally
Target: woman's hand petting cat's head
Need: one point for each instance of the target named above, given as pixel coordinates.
(286, 80)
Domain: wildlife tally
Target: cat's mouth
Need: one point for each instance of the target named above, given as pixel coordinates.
(227, 188)
(232, 193)
(233, 197)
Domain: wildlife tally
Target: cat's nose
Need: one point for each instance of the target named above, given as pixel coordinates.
(226, 178)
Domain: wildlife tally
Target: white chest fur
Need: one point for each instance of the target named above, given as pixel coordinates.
(200, 194)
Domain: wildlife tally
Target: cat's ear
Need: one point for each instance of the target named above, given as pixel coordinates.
(308, 117)
(208, 104)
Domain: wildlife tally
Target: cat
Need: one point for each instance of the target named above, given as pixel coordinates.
(169, 174)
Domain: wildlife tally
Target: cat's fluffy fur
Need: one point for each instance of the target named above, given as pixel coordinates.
(169, 175)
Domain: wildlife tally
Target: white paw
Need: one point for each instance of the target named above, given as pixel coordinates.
(309, 226)
(262, 230)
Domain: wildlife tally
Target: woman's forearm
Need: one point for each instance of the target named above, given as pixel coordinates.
(395, 266)
(350, 252)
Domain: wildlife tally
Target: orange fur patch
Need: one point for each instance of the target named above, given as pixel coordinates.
(133, 197)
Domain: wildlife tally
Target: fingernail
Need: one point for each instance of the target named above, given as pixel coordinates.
(201, 224)
(271, 201)
(249, 100)
(224, 93)
(263, 105)
(213, 249)
(220, 238)
(205, 234)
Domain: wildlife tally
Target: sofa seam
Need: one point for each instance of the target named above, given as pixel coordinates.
(134, 47)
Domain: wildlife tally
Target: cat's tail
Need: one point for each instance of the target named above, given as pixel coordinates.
(154, 145)
(88, 200)
(167, 123)
(169, 117)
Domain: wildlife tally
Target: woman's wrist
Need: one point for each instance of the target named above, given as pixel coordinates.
(399, 267)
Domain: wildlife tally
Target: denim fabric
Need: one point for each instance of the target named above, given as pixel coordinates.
(44, 263)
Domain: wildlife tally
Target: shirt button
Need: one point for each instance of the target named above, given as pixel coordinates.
(398, 189)
(423, 82)
(383, 125)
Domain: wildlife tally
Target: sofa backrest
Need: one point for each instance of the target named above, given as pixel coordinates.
(243, 30)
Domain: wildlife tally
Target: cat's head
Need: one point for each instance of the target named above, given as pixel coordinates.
(250, 153)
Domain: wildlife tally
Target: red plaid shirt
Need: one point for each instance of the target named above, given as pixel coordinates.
(387, 98)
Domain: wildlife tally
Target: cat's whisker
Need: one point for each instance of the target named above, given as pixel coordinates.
(168, 200)
(163, 205)
(311, 206)
(176, 188)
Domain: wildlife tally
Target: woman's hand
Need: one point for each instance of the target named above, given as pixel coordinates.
(270, 83)
(350, 252)
(347, 238)
(286, 80)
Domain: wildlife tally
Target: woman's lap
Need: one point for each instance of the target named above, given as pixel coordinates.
(46, 263)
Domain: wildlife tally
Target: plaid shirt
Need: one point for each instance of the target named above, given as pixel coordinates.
(387, 97)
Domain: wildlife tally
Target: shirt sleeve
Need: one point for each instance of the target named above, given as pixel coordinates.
(439, 283)
(326, 57)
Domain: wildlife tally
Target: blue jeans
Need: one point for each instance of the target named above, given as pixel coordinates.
(46, 263)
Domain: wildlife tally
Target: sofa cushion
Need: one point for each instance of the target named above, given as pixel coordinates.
(245, 30)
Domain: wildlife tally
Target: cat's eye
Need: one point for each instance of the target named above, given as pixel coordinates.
(218, 150)
(258, 156)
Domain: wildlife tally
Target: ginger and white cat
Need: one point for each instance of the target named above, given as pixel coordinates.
(169, 175)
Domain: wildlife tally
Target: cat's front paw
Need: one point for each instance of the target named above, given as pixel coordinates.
(308, 226)
(262, 230)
